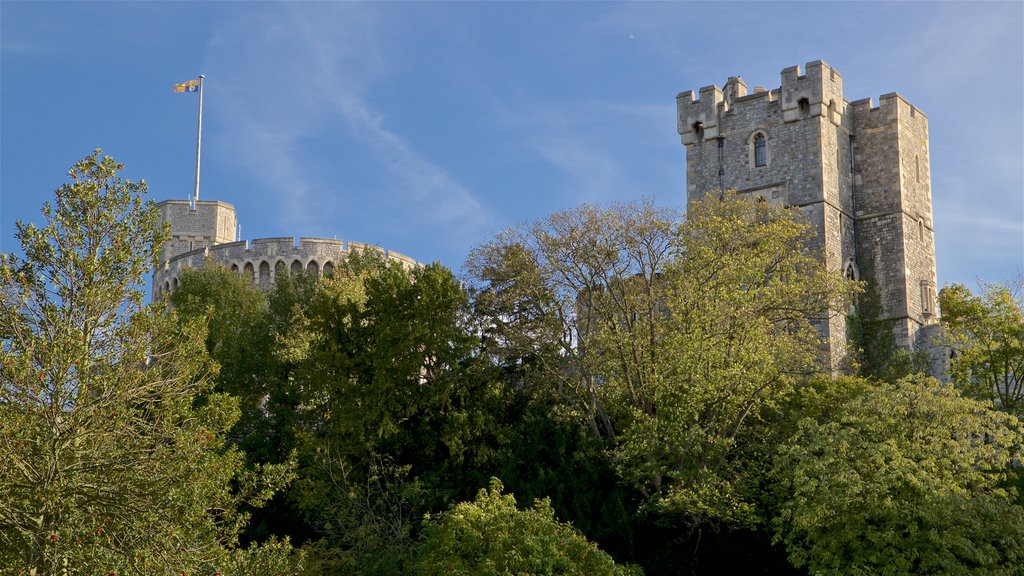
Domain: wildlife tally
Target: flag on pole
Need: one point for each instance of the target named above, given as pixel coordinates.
(190, 86)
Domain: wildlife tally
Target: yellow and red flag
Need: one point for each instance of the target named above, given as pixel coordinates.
(190, 86)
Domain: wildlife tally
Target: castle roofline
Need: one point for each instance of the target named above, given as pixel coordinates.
(885, 100)
(198, 203)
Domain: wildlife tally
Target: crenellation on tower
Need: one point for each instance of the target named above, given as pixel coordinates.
(819, 92)
(858, 173)
(698, 119)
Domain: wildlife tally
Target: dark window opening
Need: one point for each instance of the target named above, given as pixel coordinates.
(805, 106)
(760, 150)
(698, 127)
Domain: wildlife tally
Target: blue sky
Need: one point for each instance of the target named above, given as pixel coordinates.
(428, 127)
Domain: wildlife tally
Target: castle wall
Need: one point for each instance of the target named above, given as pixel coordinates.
(858, 174)
(208, 234)
(894, 213)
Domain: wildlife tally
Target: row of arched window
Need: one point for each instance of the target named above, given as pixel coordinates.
(264, 277)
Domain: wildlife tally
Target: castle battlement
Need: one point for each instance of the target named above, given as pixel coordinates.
(698, 119)
(198, 236)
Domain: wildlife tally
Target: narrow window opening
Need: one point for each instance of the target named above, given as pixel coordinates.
(927, 299)
(698, 127)
(760, 151)
(920, 229)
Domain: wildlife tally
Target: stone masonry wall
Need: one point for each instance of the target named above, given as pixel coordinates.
(210, 223)
(859, 174)
(208, 233)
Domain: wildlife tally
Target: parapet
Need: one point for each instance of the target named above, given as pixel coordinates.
(698, 119)
(890, 107)
(819, 92)
(263, 258)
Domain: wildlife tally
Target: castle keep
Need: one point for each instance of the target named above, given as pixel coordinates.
(204, 229)
(859, 173)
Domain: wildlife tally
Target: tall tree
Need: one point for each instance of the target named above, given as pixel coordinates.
(987, 336)
(742, 297)
(395, 410)
(665, 338)
(107, 464)
(575, 296)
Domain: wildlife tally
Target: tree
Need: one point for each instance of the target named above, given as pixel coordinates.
(743, 295)
(108, 463)
(665, 338)
(574, 296)
(491, 536)
(987, 337)
(396, 412)
(904, 478)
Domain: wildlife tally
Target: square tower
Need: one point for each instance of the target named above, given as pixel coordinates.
(209, 223)
(858, 174)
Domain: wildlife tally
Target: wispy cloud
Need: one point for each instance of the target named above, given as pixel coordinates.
(297, 89)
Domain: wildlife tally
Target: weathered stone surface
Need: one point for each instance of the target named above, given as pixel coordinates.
(860, 174)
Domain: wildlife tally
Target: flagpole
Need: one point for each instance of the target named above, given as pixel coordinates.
(199, 142)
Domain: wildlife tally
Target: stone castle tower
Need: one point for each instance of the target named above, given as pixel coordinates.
(859, 173)
(204, 230)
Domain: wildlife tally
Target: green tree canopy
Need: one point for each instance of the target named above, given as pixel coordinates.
(665, 338)
(903, 478)
(107, 465)
(491, 536)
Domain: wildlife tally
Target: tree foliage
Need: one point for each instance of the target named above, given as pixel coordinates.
(491, 536)
(665, 337)
(986, 332)
(900, 478)
(654, 383)
(107, 463)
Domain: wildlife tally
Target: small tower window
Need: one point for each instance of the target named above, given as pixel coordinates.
(920, 229)
(760, 150)
(805, 107)
(698, 129)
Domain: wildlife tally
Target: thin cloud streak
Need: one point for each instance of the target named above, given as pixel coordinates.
(332, 66)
